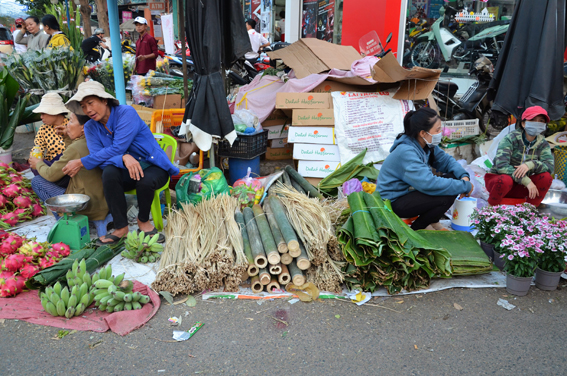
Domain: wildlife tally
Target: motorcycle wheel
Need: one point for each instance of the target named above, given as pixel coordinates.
(425, 54)
(236, 79)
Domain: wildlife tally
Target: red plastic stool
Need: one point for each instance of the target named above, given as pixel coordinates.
(409, 221)
(512, 201)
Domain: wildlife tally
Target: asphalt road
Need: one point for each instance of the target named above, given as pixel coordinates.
(409, 335)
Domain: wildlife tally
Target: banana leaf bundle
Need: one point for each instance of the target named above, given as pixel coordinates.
(467, 257)
(383, 251)
(94, 258)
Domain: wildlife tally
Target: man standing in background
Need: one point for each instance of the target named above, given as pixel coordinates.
(257, 41)
(146, 48)
(280, 26)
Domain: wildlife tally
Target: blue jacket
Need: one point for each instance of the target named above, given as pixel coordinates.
(128, 135)
(407, 169)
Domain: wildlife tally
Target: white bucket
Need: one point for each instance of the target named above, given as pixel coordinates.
(6, 155)
(462, 211)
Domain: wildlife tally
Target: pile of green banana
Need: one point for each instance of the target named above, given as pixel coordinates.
(556, 126)
(60, 301)
(142, 248)
(115, 297)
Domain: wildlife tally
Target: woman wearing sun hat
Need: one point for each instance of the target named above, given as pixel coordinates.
(523, 164)
(50, 140)
(122, 145)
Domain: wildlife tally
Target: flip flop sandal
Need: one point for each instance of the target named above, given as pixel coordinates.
(115, 239)
(161, 237)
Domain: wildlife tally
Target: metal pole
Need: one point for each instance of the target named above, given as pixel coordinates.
(68, 16)
(119, 86)
(182, 38)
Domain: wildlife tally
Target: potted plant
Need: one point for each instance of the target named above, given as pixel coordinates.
(520, 249)
(9, 120)
(551, 262)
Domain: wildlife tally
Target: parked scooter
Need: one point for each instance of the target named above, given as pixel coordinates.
(474, 104)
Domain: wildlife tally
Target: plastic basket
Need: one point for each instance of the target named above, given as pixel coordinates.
(462, 128)
(245, 146)
(166, 119)
(560, 154)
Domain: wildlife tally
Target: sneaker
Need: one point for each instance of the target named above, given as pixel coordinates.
(26, 128)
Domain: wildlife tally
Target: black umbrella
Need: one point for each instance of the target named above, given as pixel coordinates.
(216, 33)
(529, 71)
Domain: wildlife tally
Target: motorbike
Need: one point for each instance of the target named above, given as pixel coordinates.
(243, 72)
(474, 104)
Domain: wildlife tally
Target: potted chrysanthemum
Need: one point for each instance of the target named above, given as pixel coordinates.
(551, 261)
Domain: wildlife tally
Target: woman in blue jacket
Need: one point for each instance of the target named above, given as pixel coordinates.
(406, 177)
(123, 146)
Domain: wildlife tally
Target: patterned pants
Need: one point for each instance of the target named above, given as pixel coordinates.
(501, 186)
(45, 189)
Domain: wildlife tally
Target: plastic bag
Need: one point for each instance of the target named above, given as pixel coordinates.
(351, 186)
(557, 184)
(494, 146)
(479, 190)
(213, 183)
(248, 190)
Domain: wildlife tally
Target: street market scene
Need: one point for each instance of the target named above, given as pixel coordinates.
(228, 186)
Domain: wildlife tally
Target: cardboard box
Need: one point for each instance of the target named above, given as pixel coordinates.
(277, 131)
(316, 152)
(310, 55)
(303, 100)
(168, 101)
(277, 117)
(312, 135)
(317, 169)
(145, 113)
(278, 143)
(279, 153)
(314, 181)
(329, 86)
(313, 117)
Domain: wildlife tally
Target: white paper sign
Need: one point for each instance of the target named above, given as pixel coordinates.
(368, 121)
(167, 28)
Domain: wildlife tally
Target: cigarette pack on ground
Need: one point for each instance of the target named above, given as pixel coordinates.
(278, 143)
(316, 169)
(313, 117)
(312, 135)
(279, 153)
(316, 152)
(277, 131)
(303, 100)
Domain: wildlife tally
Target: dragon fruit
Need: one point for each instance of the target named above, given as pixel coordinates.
(46, 263)
(23, 202)
(28, 271)
(12, 190)
(62, 249)
(13, 263)
(37, 210)
(16, 178)
(10, 218)
(3, 201)
(33, 249)
(5, 275)
(12, 286)
(4, 166)
(11, 244)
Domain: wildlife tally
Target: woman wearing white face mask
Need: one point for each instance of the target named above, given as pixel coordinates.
(406, 177)
(523, 164)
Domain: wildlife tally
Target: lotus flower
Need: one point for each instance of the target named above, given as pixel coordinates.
(23, 202)
(13, 263)
(12, 286)
(12, 190)
(28, 271)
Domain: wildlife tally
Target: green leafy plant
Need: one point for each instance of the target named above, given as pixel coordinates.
(10, 120)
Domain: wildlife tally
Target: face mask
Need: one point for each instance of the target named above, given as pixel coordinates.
(534, 128)
(435, 140)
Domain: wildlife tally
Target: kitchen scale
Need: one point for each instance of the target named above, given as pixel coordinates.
(72, 229)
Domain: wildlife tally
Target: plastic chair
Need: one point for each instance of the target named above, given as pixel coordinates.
(165, 142)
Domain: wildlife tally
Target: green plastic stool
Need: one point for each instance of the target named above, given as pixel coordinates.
(165, 142)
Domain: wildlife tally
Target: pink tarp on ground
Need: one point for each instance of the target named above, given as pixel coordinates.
(27, 307)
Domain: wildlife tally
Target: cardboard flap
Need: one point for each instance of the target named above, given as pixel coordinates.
(309, 56)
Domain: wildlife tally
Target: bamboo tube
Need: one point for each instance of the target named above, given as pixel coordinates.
(286, 259)
(284, 276)
(265, 277)
(287, 180)
(273, 285)
(296, 275)
(278, 237)
(302, 260)
(297, 187)
(285, 227)
(256, 285)
(275, 269)
(266, 235)
(307, 187)
(256, 246)
(252, 268)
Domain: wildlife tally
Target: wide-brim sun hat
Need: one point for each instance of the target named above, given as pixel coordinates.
(51, 104)
(87, 89)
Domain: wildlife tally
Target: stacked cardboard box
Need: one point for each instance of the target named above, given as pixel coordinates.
(311, 132)
(277, 125)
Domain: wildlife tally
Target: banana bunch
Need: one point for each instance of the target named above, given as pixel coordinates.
(116, 295)
(556, 126)
(142, 248)
(72, 300)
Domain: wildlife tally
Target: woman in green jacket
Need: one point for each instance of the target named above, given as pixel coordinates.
(523, 164)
